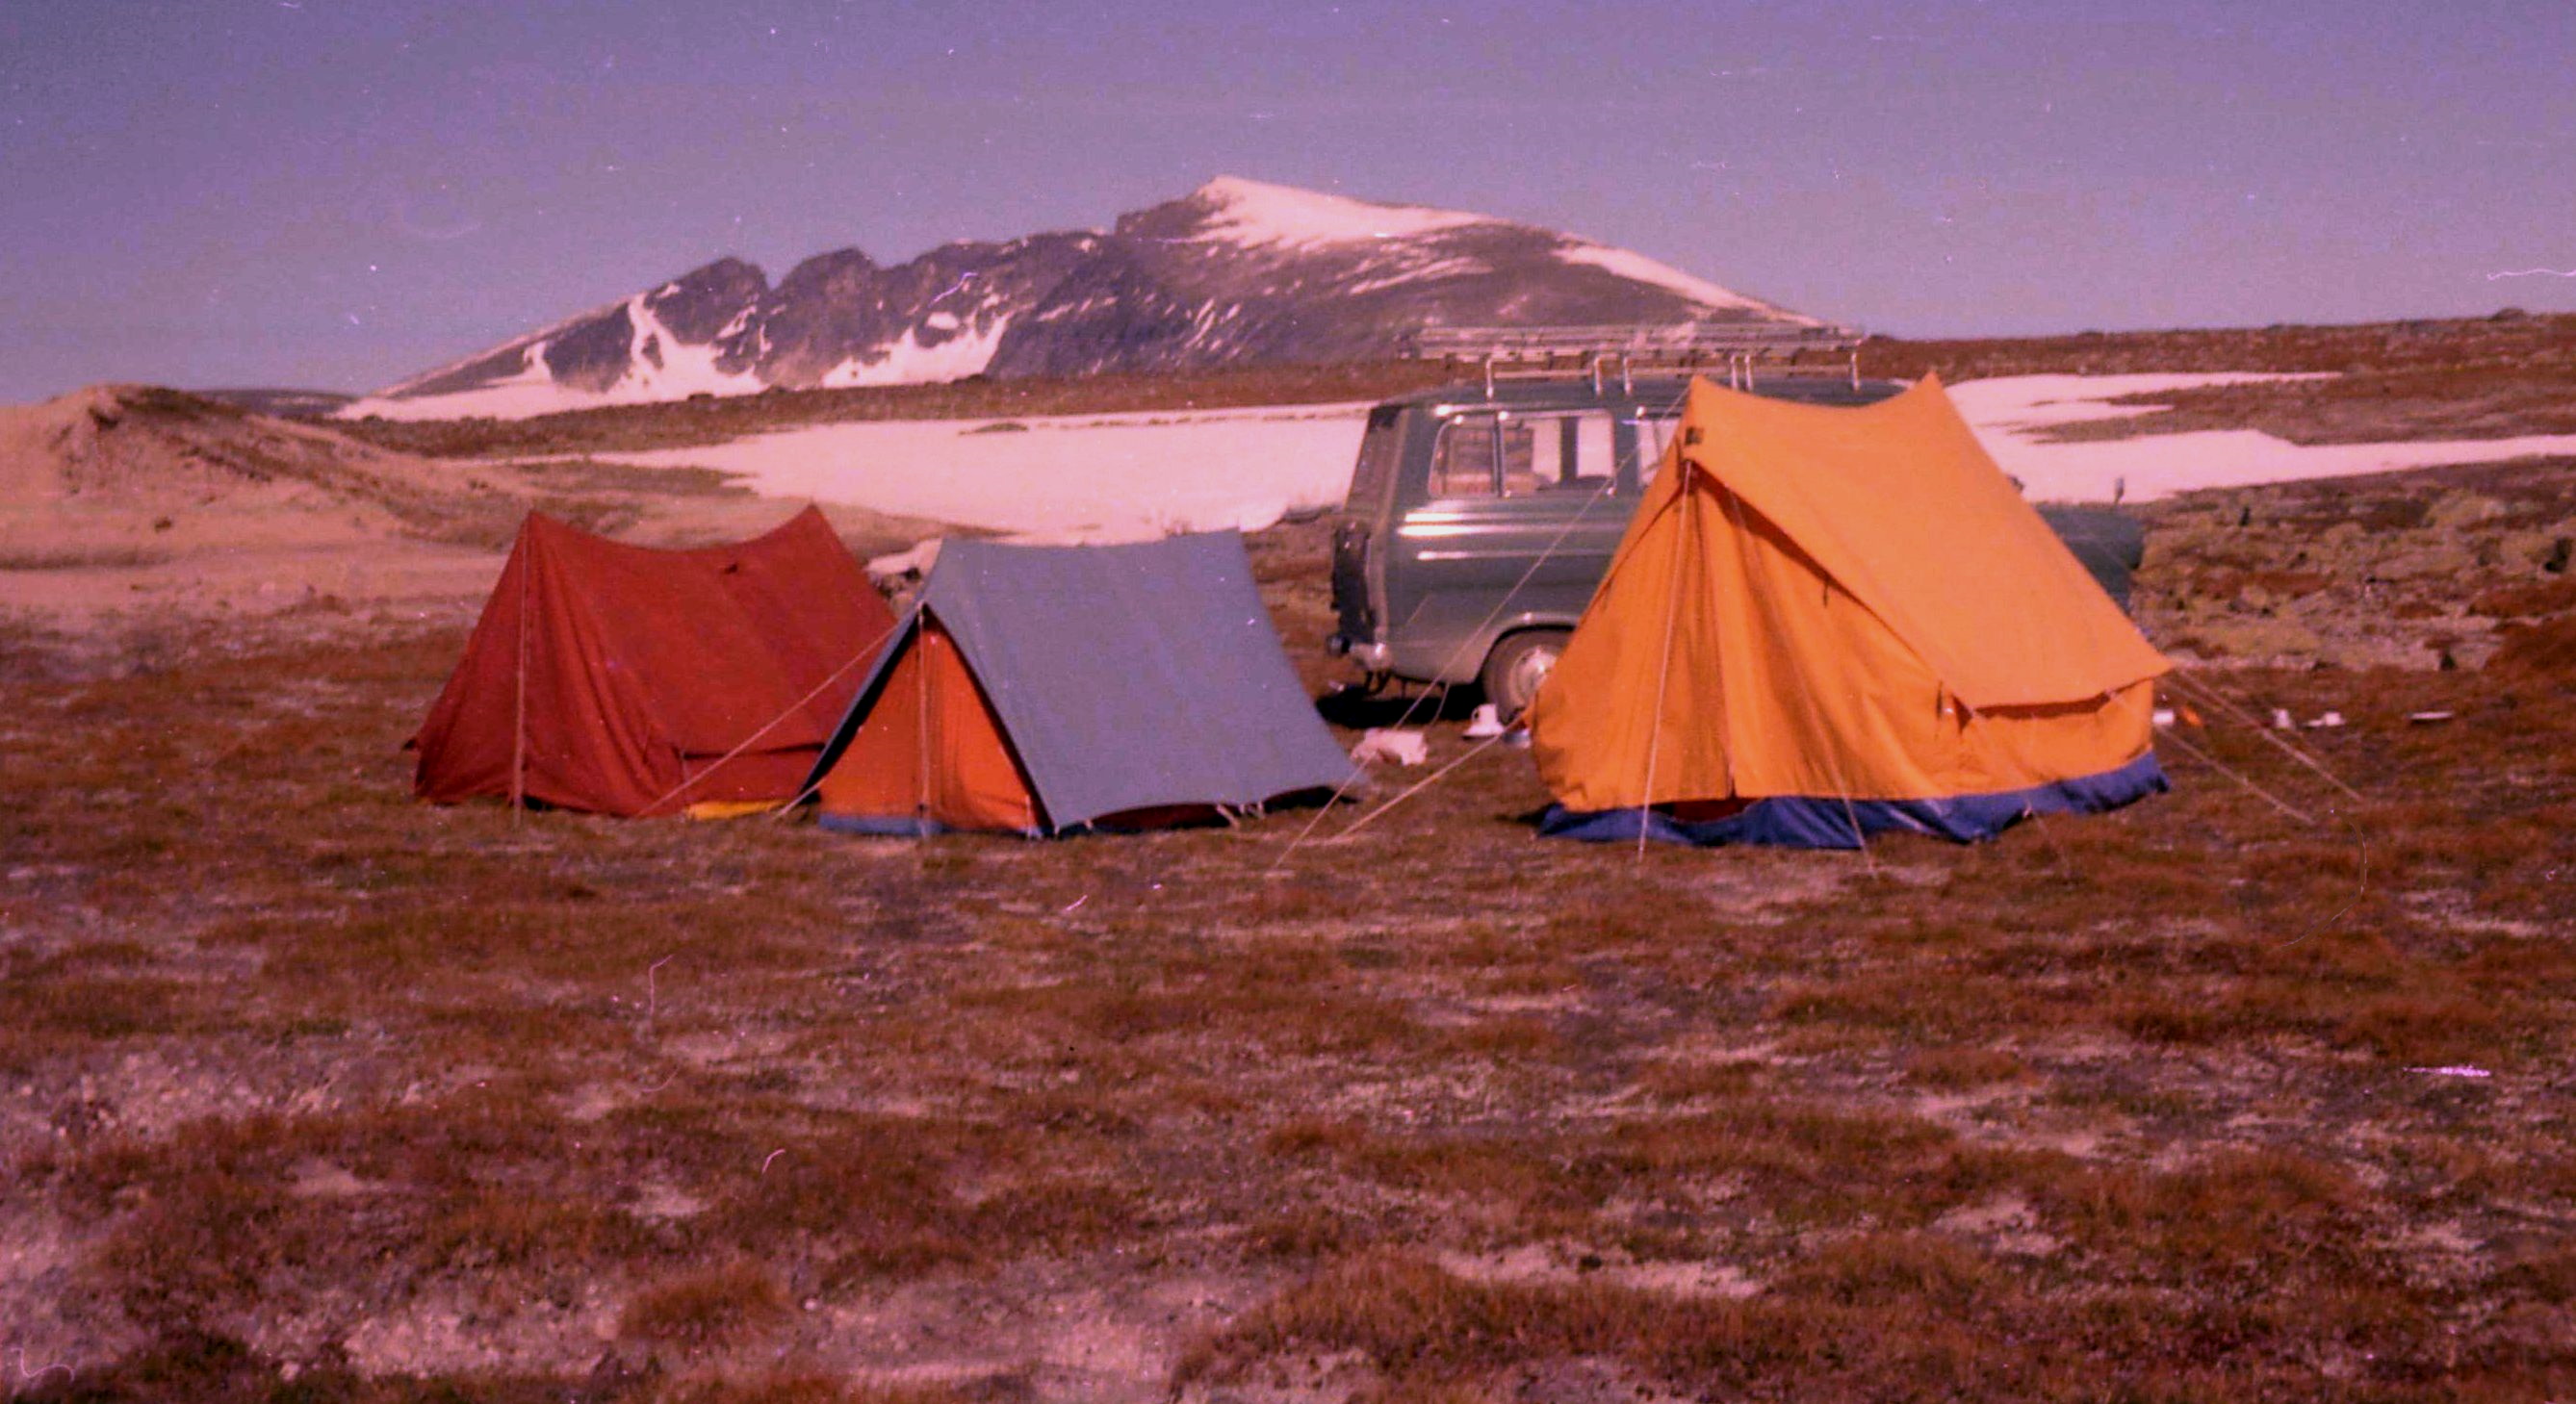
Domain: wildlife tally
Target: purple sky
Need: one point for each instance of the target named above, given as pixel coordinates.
(315, 193)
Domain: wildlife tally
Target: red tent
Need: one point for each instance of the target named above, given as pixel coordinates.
(625, 680)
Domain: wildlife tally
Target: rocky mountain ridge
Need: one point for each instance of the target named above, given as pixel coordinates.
(1236, 272)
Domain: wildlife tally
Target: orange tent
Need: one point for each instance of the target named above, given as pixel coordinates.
(931, 755)
(626, 680)
(1826, 621)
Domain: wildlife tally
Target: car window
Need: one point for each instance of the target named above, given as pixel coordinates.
(1654, 435)
(1557, 453)
(1465, 462)
(1379, 448)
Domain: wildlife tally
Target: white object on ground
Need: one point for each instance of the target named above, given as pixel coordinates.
(2163, 716)
(2452, 1070)
(2330, 719)
(1486, 721)
(2427, 718)
(2281, 720)
(895, 565)
(1387, 746)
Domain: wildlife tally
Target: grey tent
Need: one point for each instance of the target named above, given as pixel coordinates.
(1037, 689)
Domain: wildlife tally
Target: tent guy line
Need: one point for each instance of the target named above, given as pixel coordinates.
(1415, 788)
(1458, 655)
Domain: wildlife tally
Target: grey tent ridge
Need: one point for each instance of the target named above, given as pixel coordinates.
(1044, 689)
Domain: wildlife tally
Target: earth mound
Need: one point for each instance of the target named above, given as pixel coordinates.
(122, 473)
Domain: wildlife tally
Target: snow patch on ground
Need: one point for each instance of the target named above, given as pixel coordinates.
(1130, 476)
(1085, 478)
(1639, 268)
(2040, 401)
(1254, 215)
(2012, 412)
(908, 362)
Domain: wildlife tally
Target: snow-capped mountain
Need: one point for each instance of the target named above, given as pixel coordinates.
(1235, 272)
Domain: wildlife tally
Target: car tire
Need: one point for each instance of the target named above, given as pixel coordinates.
(1516, 667)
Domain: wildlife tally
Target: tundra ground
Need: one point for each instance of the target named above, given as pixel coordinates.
(2257, 1090)
(316, 1093)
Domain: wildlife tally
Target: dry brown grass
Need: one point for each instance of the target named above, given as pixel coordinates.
(103, 557)
(705, 1310)
(2121, 1108)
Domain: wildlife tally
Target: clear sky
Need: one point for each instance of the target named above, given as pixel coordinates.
(331, 194)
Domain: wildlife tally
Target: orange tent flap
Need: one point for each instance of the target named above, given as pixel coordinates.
(1900, 506)
(930, 748)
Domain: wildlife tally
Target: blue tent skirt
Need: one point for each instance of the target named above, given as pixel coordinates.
(1804, 821)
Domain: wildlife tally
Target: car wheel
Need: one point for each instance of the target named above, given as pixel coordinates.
(1518, 665)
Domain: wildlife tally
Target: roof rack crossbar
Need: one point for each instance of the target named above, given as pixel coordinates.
(1733, 349)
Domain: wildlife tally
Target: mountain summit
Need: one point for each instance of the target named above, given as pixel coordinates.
(1235, 272)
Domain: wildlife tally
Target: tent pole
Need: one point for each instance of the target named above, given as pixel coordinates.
(1664, 671)
(519, 707)
(921, 728)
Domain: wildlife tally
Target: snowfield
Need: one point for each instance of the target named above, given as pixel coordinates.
(1637, 266)
(2011, 412)
(1256, 214)
(908, 362)
(1122, 477)
(1087, 478)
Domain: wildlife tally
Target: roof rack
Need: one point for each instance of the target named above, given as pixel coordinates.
(1595, 352)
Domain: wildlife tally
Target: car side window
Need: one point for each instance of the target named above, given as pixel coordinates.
(1558, 453)
(1465, 463)
(1653, 436)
